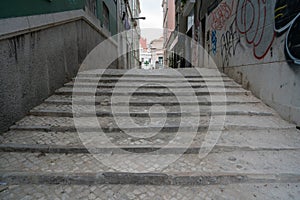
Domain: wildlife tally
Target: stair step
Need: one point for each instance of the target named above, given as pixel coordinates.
(154, 92)
(195, 74)
(157, 80)
(178, 149)
(108, 124)
(231, 140)
(234, 162)
(153, 85)
(139, 111)
(148, 100)
(284, 189)
(186, 72)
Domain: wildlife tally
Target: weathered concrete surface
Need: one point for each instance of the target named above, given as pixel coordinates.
(42, 56)
(257, 152)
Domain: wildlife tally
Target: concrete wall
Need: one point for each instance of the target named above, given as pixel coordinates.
(39, 60)
(254, 43)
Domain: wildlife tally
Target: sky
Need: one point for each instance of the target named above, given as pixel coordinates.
(151, 27)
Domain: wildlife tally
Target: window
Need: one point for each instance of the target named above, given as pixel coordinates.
(106, 17)
(160, 60)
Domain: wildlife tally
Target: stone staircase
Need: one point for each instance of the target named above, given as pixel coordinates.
(139, 134)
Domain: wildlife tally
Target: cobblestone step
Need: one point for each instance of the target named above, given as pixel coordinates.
(239, 139)
(123, 149)
(266, 191)
(154, 85)
(108, 124)
(187, 72)
(148, 100)
(155, 74)
(154, 92)
(187, 168)
(152, 79)
(145, 111)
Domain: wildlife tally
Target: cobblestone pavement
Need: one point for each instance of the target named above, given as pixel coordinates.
(143, 192)
(152, 146)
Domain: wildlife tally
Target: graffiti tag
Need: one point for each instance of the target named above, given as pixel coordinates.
(214, 41)
(219, 16)
(229, 41)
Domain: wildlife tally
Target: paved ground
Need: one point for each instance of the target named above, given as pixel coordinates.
(162, 136)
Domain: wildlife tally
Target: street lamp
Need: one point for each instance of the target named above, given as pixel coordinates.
(136, 18)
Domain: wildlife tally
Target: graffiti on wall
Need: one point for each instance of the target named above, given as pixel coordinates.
(229, 42)
(287, 17)
(252, 19)
(214, 41)
(257, 23)
(221, 14)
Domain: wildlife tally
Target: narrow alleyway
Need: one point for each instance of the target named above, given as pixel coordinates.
(152, 151)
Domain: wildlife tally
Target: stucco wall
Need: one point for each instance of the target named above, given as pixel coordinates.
(249, 43)
(34, 64)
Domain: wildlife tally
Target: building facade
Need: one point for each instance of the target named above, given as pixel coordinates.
(157, 53)
(145, 54)
(168, 26)
(129, 27)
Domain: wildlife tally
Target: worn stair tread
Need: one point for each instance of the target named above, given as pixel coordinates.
(159, 72)
(152, 79)
(124, 149)
(153, 92)
(155, 85)
(162, 73)
(148, 100)
(257, 162)
(47, 109)
(265, 191)
(230, 140)
(143, 124)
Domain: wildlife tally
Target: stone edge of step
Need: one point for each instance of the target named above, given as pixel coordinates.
(13, 178)
(124, 149)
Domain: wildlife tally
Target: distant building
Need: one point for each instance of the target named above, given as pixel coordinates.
(145, 54)
(129, 42)
(184, 25)
(168, 25)
(152, 55)
(157, 53)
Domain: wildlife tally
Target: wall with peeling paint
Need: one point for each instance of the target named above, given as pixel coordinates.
(36, 63)
(255, 42)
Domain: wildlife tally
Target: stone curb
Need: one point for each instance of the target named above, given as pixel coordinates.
(87, 75)
(171, 129)
(138, 93)
(124, 149)
(204, 103)
(158, 81)
(141, 114)
(16, 178)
